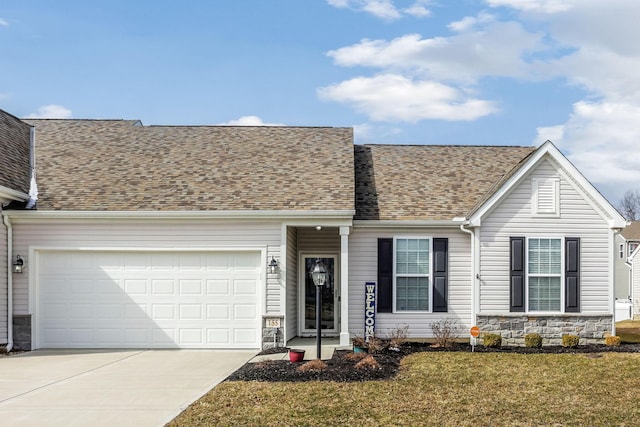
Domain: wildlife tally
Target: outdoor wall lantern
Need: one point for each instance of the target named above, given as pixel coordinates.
(319, 276)
(18, 265)
(273, 266)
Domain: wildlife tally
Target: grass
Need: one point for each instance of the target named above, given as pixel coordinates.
(445, 389)
(628, 331)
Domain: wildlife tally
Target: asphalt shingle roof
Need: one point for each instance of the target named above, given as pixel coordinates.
(632, 231)
(122, 166)
(15, 168)
(429, 182)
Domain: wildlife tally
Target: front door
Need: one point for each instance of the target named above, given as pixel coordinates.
(329, 292)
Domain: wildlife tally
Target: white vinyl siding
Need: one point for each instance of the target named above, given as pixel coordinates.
(412, 274)
(363, 267)
(179, 234)
(635, 282)
(512, 217)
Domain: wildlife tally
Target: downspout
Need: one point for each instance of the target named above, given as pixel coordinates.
(473, 273)
(7, 223)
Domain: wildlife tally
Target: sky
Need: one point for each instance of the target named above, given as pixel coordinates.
(465, 72)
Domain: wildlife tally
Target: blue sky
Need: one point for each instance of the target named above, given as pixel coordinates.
(506, 72)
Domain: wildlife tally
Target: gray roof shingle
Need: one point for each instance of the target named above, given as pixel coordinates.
(429, 182)
(94, 165)
(15, 141)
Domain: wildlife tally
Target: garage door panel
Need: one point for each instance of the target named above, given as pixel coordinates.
(164, 300)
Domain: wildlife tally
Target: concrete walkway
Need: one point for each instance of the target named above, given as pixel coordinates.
(107, 388)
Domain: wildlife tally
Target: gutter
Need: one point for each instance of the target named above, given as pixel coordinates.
(7, 223)
(473, 273)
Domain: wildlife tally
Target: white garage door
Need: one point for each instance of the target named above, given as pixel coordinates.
(148, 300)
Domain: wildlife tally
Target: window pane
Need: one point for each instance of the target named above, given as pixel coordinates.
(412, 256)
(544, 256)
(412, 293)
(544, 293)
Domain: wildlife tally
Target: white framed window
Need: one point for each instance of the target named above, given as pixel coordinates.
(412, 273)
(544, 274)
(545, 197)
(621, 250)
(632, 247)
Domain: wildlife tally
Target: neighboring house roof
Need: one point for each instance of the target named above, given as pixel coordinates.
(429, 182)
(15, 164)
(631, 231)
(116, 165)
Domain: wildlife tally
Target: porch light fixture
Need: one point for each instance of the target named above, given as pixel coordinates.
(18, 265)
(273, 266)
(319, 276)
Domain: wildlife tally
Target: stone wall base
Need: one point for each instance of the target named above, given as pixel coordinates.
(22, 332)
(592, 329)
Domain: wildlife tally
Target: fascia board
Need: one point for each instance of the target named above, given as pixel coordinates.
(399, 223)
(185, 215)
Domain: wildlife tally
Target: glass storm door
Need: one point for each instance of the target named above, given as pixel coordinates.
(308, 296)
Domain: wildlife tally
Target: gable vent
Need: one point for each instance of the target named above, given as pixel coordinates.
(545, 196)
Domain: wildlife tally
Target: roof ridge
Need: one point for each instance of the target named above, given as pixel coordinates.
(449, 145)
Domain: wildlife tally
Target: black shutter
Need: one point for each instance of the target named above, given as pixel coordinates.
(440, 274)
(516, 274)
(572, 275)
(385, 276)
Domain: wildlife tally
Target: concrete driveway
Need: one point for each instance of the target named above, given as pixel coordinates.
(111, 387)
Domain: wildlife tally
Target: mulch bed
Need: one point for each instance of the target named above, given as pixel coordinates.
(341, 367)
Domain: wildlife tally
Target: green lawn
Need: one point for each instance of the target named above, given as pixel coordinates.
(444, 389)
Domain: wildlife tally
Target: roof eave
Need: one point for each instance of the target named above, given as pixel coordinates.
(7, 195)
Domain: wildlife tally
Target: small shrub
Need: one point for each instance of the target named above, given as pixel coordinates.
(445, 332)
(313, 365)
(570, 341)
(355, 357)
(492, 340)
(612, 341)
(533, 340)
(368, 363)
(398, 336)
(375, 345)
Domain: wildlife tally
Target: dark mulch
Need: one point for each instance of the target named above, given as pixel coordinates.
(342, 368)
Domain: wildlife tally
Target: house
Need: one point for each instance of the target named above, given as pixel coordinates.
(634, 261)
(204, 237)
(15, 176)
(626, 242)
(627, 283)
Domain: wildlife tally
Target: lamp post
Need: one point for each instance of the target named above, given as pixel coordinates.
(319, 276)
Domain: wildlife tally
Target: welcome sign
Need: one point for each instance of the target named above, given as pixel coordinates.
(369, 310)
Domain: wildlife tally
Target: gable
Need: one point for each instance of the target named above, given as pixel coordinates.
(544, 191)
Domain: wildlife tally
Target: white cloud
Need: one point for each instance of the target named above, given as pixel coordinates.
(383, 9)
(392, 97)
(601, 139)
(495, 50)
(367, 133)
(3, 23)
(538, 6)
(249, 121)
(51, 111)
(469, 22)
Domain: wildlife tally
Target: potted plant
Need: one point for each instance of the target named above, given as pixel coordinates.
(360, 345)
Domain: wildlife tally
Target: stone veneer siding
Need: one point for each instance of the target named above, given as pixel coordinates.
(22, 332)
(272, 337)
(591, 329)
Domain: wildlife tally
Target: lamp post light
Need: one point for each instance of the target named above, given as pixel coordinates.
(319, 276)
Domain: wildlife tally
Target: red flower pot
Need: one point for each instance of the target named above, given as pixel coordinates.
(296, 355)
